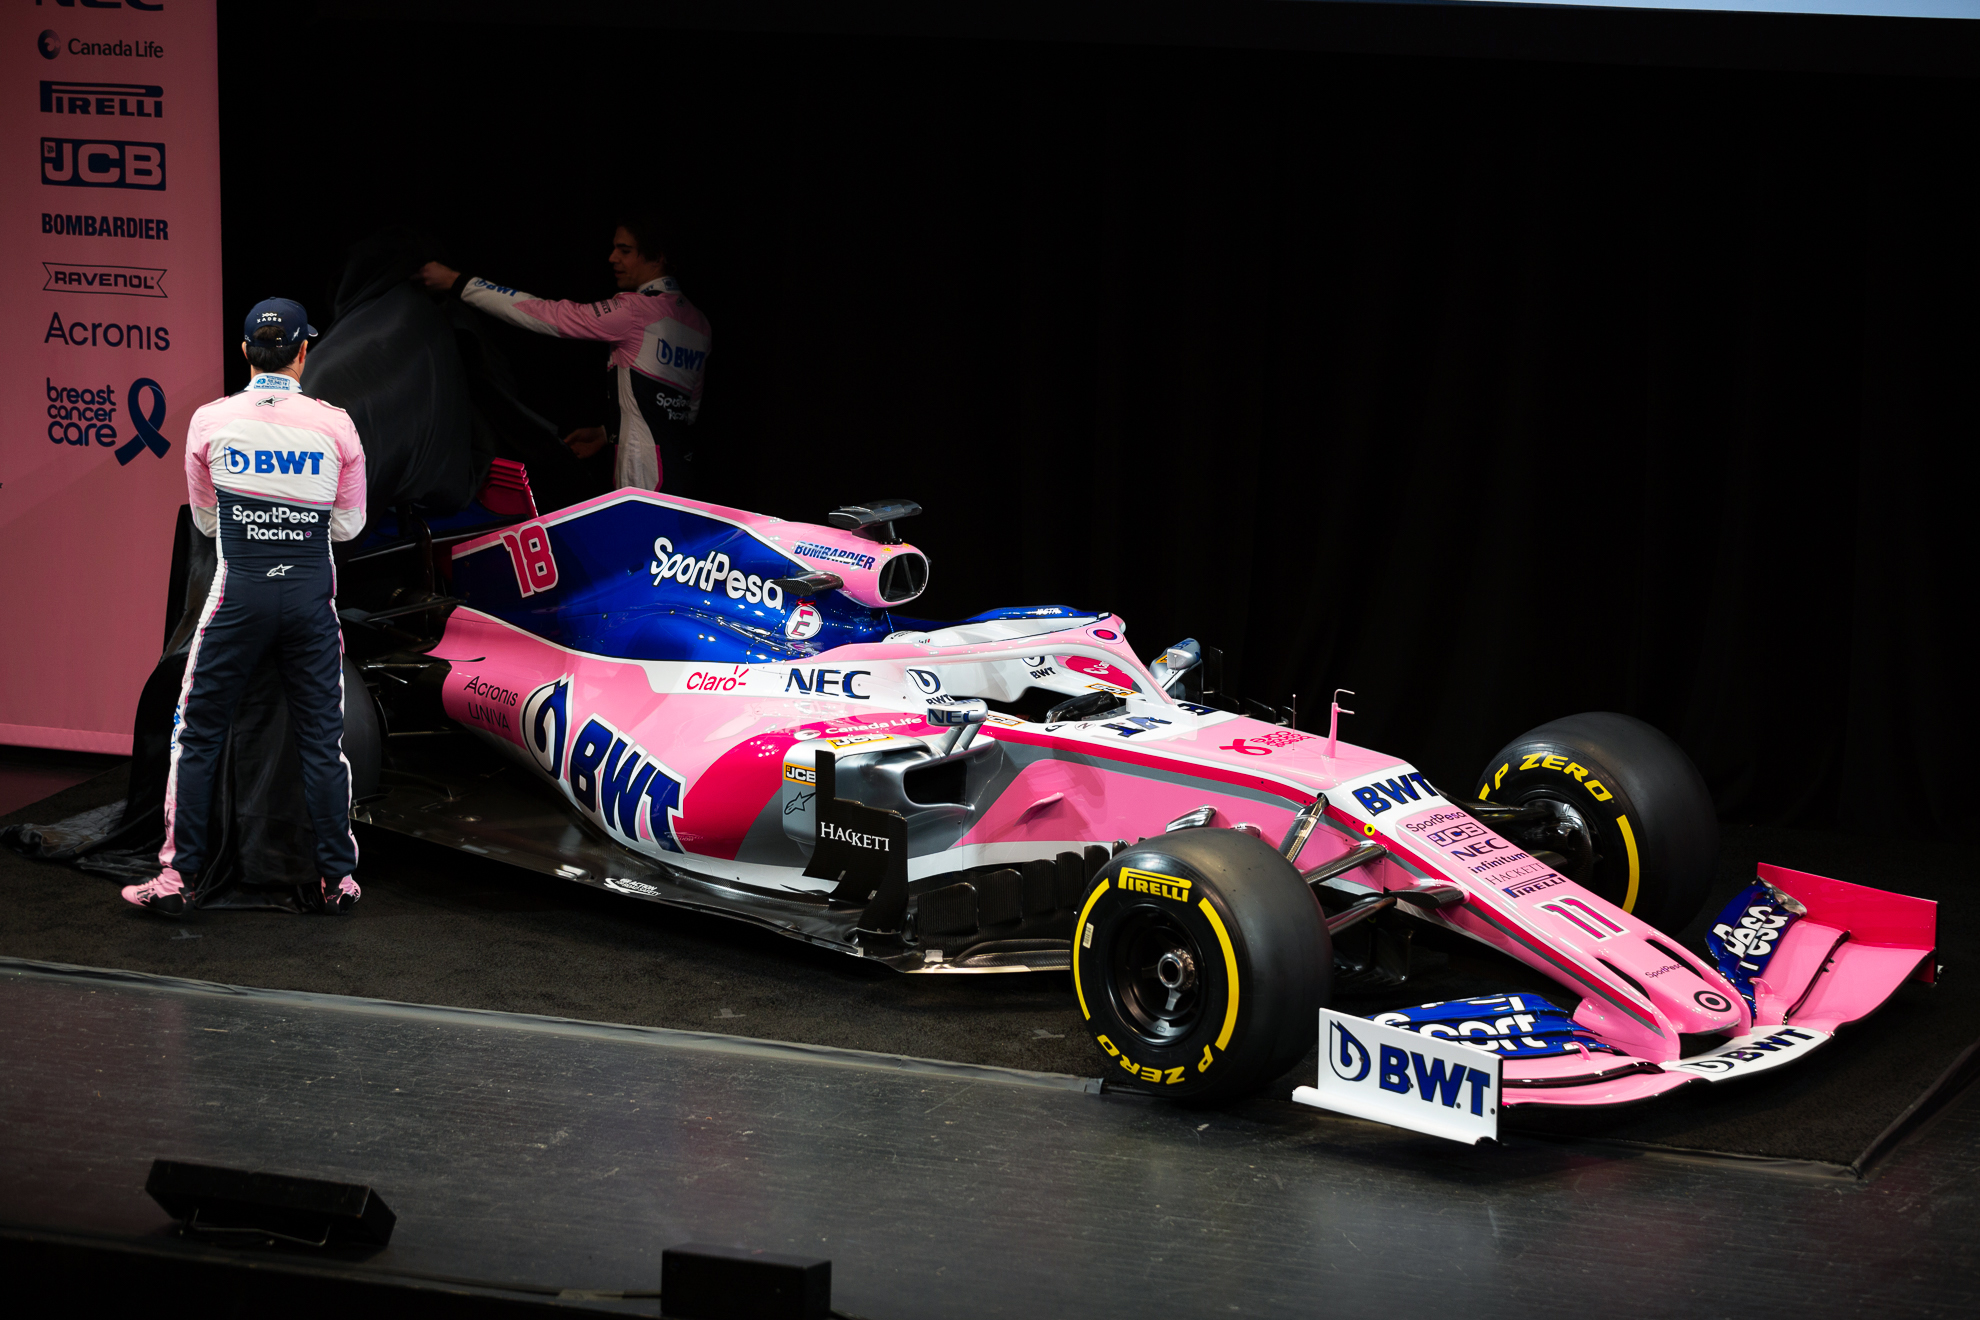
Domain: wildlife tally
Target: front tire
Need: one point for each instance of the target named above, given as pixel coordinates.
(1646, 809)
(1201, 961)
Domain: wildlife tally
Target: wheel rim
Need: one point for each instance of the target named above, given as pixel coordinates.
(1157, 976)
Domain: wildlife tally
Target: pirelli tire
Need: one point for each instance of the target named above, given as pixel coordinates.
(1200, 961)
(1655, 834)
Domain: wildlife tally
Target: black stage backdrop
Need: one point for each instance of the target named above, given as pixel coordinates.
(1492, 391)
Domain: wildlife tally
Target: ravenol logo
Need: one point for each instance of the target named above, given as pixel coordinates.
(293, 462)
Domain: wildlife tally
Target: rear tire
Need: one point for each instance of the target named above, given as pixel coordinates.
(1650, 817)
(1201, 961)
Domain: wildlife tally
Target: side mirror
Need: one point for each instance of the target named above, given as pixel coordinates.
(965, 717)
(804, 585)
(1172, 664)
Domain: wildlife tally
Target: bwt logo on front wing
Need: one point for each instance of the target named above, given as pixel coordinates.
(123, 100)
(80, 163)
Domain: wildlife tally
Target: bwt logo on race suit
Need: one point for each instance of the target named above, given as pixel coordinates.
(79, 163)
(681, 358)
(294, 462)
(82, 417)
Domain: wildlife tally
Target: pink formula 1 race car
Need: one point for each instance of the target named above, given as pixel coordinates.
(718, 710)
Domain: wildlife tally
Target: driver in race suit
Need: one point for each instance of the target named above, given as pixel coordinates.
(276, 477)
(659, 342)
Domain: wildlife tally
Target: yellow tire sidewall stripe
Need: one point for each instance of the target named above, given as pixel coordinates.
(1230, 973)
(1079, 929)
(1635, 865)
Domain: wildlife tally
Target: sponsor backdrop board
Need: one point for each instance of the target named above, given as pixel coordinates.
(114, 323)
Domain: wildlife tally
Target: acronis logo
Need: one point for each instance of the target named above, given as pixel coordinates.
(293, 462)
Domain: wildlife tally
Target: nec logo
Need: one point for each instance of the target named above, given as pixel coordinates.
(293, 462)
(77, 163)
(124, 100)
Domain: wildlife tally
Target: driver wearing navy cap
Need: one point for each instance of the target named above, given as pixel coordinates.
(276, 476)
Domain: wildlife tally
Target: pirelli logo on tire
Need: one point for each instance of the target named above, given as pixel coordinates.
(1173, 888)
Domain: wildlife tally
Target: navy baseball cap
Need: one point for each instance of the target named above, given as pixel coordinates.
(282, 312)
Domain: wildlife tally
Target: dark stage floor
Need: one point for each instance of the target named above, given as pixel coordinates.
(441, 927)
(536, 1157)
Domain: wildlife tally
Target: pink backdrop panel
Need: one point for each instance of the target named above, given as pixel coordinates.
(114, 334)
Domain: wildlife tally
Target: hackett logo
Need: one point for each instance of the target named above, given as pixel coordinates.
(871, 842)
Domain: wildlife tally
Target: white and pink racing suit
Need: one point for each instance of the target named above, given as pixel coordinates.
(659, 348)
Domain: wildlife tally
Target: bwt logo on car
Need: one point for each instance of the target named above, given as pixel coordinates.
(293, 462)
(80, 163)
(1412, 787)
(610, 775)
(1406, 1072)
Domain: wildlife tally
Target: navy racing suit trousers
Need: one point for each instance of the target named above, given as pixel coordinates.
(261, 605)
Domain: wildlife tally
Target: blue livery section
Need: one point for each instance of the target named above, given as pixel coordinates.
(1513, 1026)
(1743, 940)
(645, 581)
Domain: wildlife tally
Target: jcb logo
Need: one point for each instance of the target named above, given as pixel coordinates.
(76, 163)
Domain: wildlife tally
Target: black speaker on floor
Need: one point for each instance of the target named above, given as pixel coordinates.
(729, 1283)
(243, 1205)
